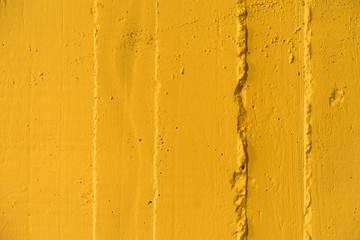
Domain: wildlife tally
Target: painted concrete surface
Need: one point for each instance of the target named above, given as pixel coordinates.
(189, 119)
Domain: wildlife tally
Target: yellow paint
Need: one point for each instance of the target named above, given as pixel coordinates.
(46, 134)
(184, 119)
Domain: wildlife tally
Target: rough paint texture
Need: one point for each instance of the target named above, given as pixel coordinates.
(308, 92)
(240, 178)
(189, 119)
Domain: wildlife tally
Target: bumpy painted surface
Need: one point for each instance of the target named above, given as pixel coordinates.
(189, 119)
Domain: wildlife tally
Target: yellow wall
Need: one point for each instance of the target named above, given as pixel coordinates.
(187, 119)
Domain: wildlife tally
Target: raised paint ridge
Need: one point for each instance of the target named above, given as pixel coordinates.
(240, 178)
(96, 67)
(156, 122)
(307, 122)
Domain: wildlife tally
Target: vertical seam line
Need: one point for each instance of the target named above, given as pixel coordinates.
(308, 89)
(240, 175)
(156, 122)
(96, 27)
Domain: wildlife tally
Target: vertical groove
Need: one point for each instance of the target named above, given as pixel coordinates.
(240, 178)
(307, 121)
(156, 122)
(96, 27)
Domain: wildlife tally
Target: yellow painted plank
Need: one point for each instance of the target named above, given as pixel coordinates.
(335, 119)
(46, 139)
(124, 119)
(196, 120)
(275, 119)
